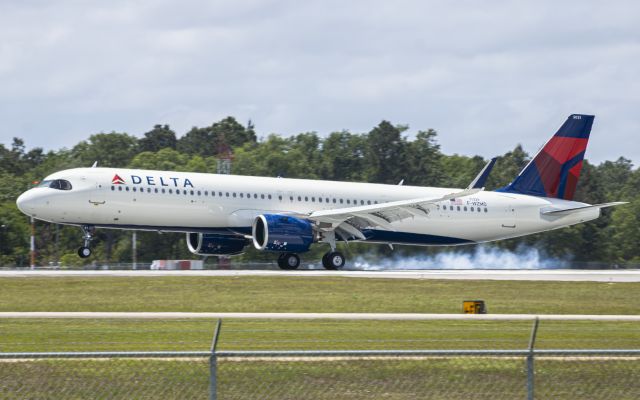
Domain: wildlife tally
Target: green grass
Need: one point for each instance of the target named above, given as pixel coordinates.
(300, 294)
(295, 294)
(463, 377)
(39, 335)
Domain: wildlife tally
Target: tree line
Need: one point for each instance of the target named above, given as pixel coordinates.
(388, 153)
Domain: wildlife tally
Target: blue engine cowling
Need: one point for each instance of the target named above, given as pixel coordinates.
(208, 244)
(276, 232)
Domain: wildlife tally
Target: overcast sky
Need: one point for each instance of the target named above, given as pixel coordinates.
(485, 74)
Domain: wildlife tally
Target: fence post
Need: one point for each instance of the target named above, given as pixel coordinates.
(213, 364)
(530, 356)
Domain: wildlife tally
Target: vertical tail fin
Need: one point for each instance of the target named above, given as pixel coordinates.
(555, 170)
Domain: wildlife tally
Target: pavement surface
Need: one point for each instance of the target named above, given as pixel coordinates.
(501, 275)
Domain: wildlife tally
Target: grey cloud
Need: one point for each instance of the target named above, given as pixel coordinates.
(486, 75)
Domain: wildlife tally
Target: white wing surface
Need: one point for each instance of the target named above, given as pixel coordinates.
(348, 222)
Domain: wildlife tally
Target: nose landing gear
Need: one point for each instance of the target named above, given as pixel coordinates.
(85, 250)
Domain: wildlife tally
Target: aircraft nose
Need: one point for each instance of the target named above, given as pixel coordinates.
(26, 202)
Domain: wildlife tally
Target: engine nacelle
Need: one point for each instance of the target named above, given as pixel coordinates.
(277, 232)
(211, 244)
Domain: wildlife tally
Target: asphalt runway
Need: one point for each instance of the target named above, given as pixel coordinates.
(332, 316)
(563, 275)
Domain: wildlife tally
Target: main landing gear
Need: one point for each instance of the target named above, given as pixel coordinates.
(332, 260)
(85, 250)
(288, 261)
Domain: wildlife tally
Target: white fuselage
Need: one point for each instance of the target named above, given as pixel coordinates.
(197, 202)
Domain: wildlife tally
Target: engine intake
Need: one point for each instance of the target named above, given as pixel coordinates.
(208, 244)
(276, 232)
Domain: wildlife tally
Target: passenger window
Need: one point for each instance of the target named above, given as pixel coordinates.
(234, 194)
(113, 188)
(120, 188)
(134, 189)
(348, 201)
(280, 198)
(334, 200)
(472, 209)
(306, 198)
(341, 201)
(126, 188)
(458, 207)
(241, 195)
(368, 202)
(361, 202)
(313, 199)
(299, 198)
(170, 191)
(465, 208)
(227, 193)
(290, 198)
(155, 190)
(485, 209)
(269, 196)
(319, 199)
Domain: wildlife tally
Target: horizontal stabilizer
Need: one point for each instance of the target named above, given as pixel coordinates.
(567, 211)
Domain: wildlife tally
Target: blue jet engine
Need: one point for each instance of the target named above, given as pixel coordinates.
(277, 232)
(209, 244)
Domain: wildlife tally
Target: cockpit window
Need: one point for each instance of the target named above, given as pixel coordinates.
(59, 184)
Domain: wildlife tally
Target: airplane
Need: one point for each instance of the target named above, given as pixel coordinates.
(222, 214)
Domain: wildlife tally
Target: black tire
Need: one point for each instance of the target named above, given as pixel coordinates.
(333, 260)
(84, 252)
(288, 261)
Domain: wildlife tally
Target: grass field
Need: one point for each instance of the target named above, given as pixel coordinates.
(295, 294)
(318, 294)
(457, 377)
(39, 335)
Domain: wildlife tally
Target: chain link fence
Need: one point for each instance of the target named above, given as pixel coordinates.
(528, 373)
(330, 375)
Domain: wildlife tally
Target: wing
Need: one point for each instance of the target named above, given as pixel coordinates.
(348, 222)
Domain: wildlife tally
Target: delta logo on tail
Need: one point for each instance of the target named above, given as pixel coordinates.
(117, 180)
(555, 170)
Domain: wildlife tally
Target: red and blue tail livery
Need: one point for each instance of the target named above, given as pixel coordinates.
(555, 170)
